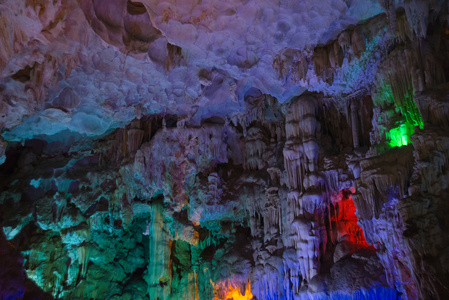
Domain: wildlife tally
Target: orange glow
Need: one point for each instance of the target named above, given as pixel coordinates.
(170, 263)
(228, 291)
(234, 293)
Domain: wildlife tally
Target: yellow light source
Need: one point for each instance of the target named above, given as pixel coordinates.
(227, 291)
(234, 293)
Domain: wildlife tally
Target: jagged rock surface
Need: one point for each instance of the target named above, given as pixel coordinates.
(161, 150)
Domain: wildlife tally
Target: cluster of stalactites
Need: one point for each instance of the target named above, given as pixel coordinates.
(255, 149)
(302, 236)
(260, 132)
(301, 148)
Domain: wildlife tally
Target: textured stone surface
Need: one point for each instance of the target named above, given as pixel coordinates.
(224, 149)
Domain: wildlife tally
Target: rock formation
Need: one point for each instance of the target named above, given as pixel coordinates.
(224, 149)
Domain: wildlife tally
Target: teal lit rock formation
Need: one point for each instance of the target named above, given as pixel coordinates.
(224, 149)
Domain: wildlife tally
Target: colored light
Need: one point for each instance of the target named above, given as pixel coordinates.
(231, 292)
(405, 102)
(400, 136)
(347, 221)
(234, 293)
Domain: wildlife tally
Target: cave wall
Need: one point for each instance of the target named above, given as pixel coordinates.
(134, 167)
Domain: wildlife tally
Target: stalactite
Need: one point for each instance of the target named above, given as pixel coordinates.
(83, 259)
(255, 148)
(158, 285)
